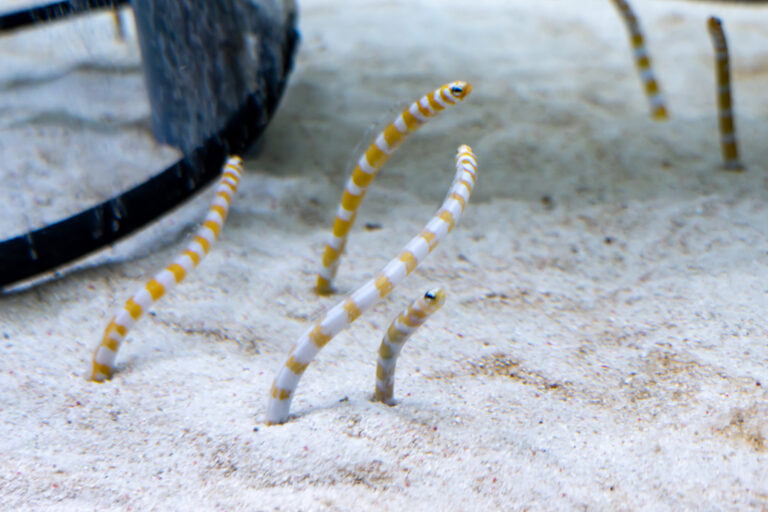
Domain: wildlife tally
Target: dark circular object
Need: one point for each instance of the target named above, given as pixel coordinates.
(62, 242)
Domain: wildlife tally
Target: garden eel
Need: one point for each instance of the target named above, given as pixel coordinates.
(103, 362)
(369, 164)
(365, 297)
(401, 328)
(643, 61)
(728, 142)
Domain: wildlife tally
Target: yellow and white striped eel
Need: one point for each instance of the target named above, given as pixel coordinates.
(369, 164)
(103, 362)
(643, 61)
(398, 333)
(365, 297)
(728, 143)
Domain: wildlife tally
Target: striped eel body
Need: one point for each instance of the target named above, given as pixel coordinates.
(643, 61)
(728, 142)
(365, 297)
(103, 362)
(398, 333)
(369, 164)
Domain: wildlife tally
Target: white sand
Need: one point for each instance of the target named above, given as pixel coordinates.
(603, 349)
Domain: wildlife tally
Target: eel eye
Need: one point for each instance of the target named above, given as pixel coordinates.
(456, 90)
(430, 295)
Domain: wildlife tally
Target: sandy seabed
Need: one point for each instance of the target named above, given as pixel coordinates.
(603, 345)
